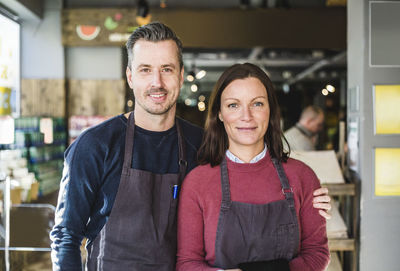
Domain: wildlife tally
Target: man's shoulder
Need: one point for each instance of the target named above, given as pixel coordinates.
(99, 136)
(109, 127)
(291, 130)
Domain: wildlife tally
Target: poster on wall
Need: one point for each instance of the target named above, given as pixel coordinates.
(9, 66)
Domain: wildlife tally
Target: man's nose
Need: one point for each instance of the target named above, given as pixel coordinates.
(156, 79)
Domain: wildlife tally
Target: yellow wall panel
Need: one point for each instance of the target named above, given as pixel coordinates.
(387, 171)
(387, 102)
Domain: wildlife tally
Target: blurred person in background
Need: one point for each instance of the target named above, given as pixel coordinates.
(304, 135)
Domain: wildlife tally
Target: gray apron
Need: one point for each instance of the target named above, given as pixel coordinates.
(255, 232)
(140, 233)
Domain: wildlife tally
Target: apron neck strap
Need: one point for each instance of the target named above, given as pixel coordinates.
(286, 189)
(225, 188)
(182, 151)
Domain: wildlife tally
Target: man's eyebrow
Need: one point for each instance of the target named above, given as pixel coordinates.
(172, 65)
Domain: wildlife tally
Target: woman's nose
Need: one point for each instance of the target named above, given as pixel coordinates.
(246, 113)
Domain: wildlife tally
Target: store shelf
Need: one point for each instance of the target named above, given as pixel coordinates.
(343, 228)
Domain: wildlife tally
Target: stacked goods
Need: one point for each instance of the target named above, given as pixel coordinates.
(44, 158)
(24, 186)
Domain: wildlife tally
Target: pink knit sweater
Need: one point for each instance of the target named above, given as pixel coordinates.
(257, 183)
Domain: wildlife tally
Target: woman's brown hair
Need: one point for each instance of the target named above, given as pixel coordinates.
(215, 140)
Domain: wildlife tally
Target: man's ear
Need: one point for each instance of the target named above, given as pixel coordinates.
(129, 77)
(182, 73)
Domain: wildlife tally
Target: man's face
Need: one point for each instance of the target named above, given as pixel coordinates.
(316, 124)
(155, 77)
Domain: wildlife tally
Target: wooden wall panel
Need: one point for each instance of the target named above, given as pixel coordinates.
(43, 97)
(96, 97)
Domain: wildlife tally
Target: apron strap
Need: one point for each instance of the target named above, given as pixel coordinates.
(288, 192)
(225, 189)
(182, 152)
(130, 129)
(286, 189)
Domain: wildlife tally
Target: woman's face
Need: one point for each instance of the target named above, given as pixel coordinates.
(245, 114)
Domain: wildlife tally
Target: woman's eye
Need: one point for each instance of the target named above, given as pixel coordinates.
(233, 105)
(258, 104)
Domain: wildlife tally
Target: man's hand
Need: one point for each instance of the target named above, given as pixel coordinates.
(322, 201)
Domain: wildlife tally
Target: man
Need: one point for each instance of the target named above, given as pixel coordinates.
(121, 178)
(303, 136)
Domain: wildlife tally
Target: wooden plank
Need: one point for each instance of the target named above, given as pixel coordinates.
(269, 28)
(43, 97)
(341, 244)
(341, 189)
(96, 97)
(335, 264)
(335, 227)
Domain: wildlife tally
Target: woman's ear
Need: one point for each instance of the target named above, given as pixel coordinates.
(220, 117)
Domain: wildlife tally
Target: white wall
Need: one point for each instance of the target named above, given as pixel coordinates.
(42, 54)
(94, 63)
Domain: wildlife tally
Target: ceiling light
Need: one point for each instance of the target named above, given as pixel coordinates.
(190, 76)
(201, 106)
(325, 92)
(201, 74)
(286, 74)
(286, 88)
(194, 87)
(330, 88)
(188, 102)
(202, 98)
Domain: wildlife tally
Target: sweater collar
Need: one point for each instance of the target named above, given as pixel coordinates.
(255, 159)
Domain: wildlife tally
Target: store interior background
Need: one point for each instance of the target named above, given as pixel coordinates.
(304, 46)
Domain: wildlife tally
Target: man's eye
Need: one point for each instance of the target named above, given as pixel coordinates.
(145, 70)
(167, 70)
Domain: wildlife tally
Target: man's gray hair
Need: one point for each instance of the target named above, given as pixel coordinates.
(153, 32)
(311, 112)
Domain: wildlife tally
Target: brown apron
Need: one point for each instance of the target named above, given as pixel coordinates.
(140, 233)
(255, 232)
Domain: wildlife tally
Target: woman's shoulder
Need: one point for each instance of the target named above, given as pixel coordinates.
(294, 164)
(202, 175)
(298, 171)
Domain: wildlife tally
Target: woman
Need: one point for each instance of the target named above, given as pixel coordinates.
(248, 205)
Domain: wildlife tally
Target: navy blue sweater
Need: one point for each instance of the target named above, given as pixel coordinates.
(91, 176)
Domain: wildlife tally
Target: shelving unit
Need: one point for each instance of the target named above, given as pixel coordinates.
(44, 159)
(342, 186)
(346, 194)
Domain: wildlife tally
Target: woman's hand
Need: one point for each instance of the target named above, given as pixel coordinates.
(322, 201)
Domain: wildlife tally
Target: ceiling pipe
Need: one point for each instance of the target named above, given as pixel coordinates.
(255, 53)
(316, 66)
